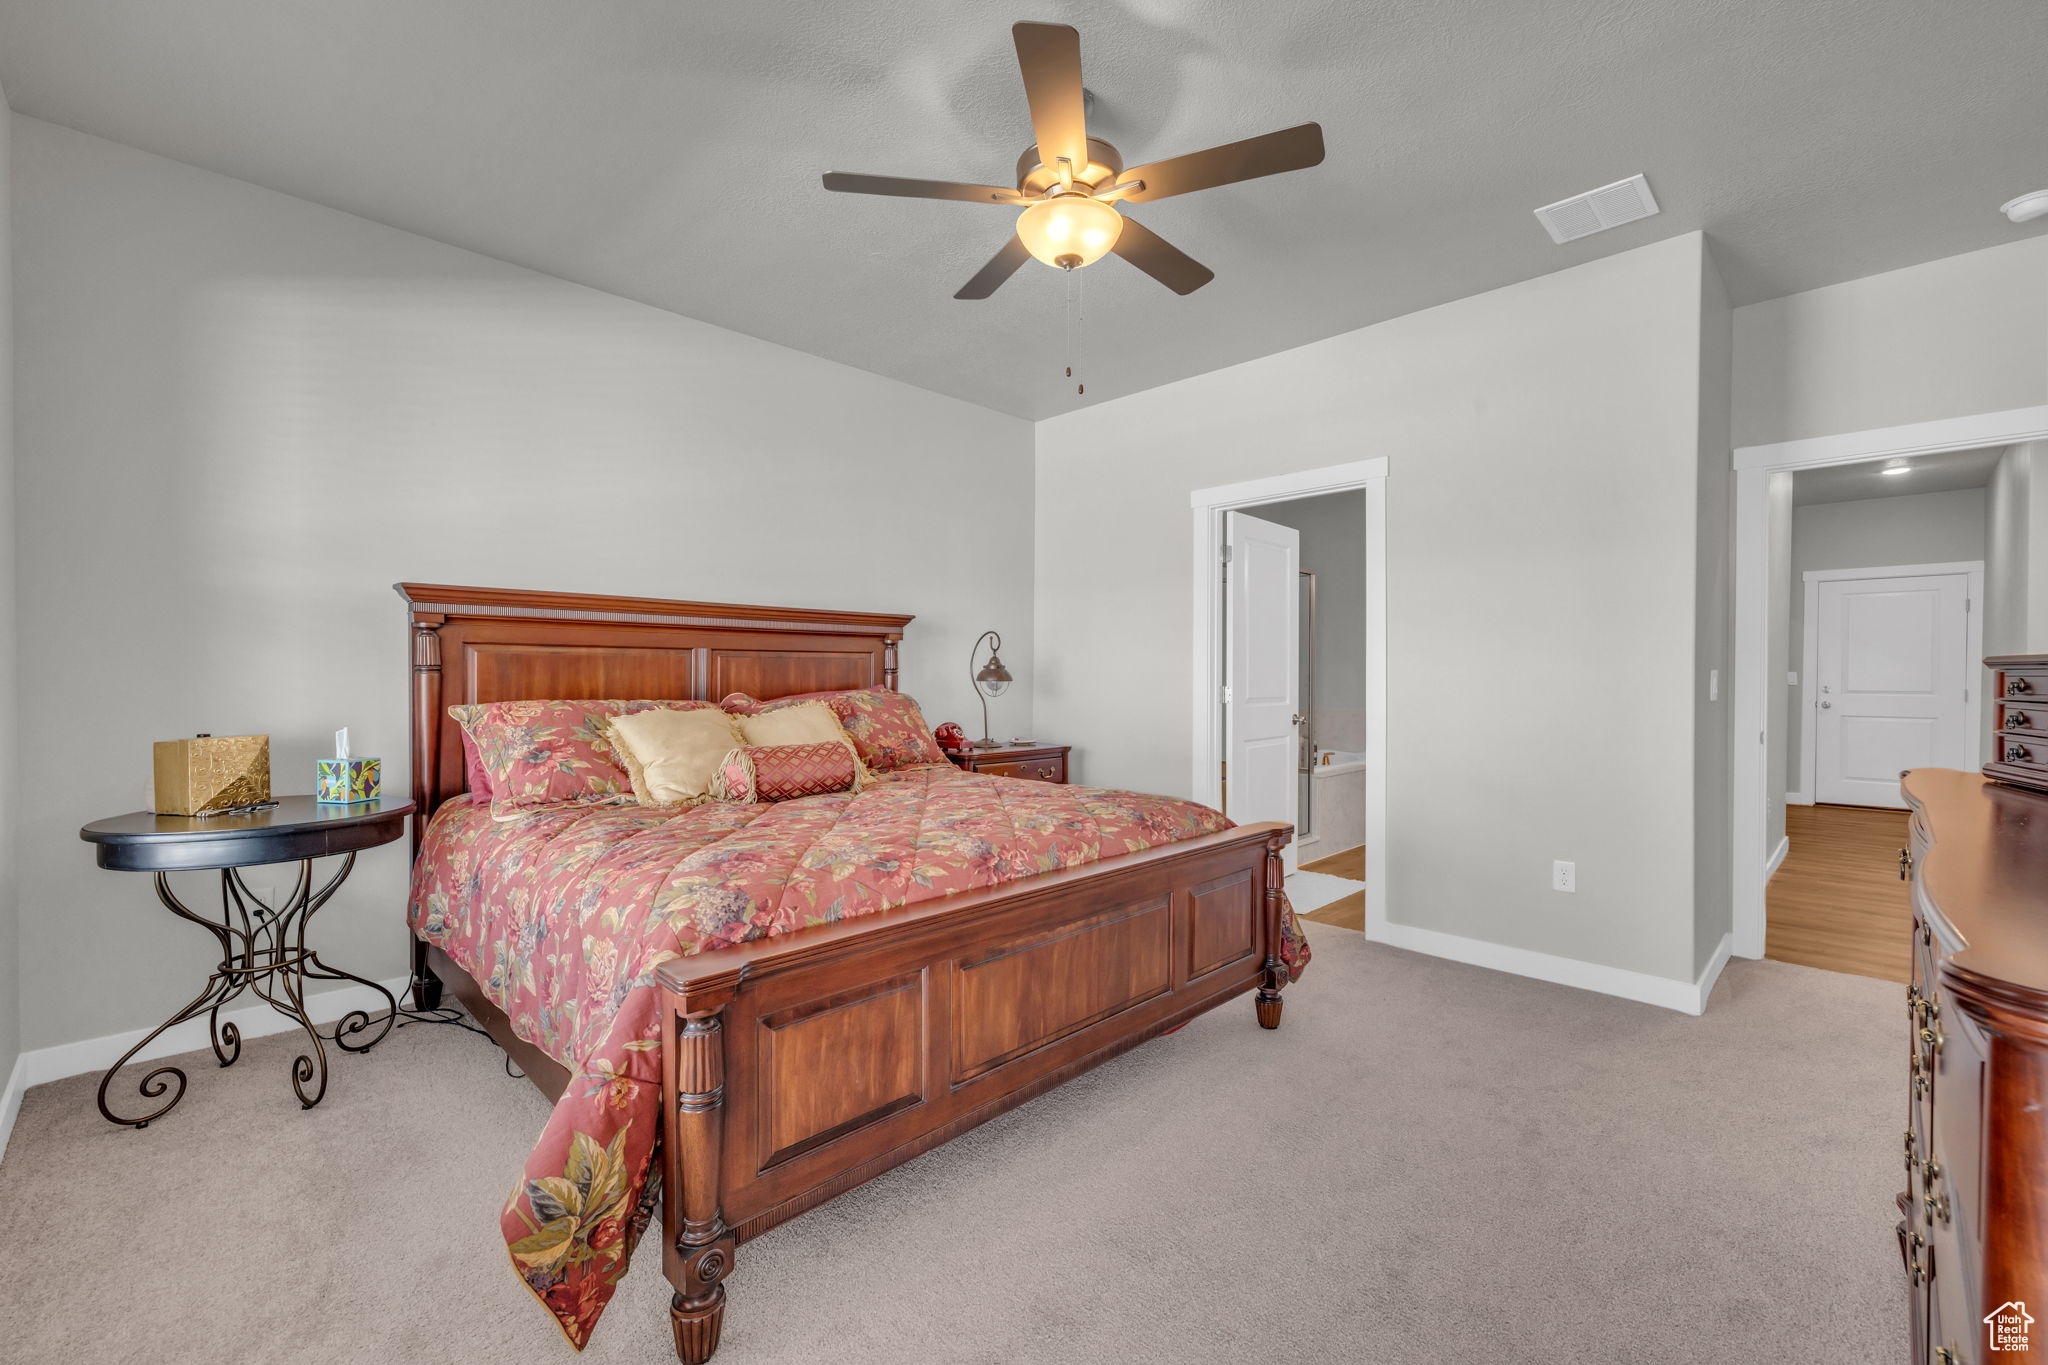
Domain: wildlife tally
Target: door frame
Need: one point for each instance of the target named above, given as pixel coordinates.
(1973, 653)
(1207, 506)
(1754, 465)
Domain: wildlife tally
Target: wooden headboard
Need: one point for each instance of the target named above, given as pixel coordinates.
(498, 644)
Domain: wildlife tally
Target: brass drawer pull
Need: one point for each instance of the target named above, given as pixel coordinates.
(2016, 687)
(1905, 863)
(2017, 753)
(2016, 720)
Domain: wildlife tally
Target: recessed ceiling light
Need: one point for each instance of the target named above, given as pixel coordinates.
(1896, 469)
(2027, 207)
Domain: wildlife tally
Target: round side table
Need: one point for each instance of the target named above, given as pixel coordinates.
(263, 947)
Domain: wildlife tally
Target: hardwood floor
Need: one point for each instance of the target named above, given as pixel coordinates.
(1349, 912)
(1838, 903)
(1350, 863)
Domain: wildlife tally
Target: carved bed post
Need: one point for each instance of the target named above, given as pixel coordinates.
(889, 661)
(1268, 1000)
(693, 1056)
(426, 758)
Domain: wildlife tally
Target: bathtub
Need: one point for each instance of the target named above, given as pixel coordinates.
(1337, 797)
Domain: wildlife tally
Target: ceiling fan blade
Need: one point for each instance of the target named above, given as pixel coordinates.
(1050, 58)
(999, 268)
(1161, 259)
(846, 183)
(1290, 149)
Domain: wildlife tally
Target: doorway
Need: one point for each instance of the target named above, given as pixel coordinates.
(1285, 716)
(1770, 674)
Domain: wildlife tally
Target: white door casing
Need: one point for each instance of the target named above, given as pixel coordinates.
(1893, 673)
(1753, 679)
(1262, 671)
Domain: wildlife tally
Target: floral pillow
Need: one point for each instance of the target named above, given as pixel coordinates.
(784, 772)
(887, 728)
(538, 753)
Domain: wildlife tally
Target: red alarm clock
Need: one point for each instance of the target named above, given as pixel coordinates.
(951, 737)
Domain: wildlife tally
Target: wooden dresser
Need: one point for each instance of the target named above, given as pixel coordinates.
(1974, 1236)
(1044, 762)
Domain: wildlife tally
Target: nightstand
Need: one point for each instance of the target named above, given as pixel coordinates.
(1043, 762)
(263, 946)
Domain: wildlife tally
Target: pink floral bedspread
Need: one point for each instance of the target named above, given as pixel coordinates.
(562, 917)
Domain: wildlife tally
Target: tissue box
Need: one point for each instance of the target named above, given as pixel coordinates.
(343, 781)
(208, 773)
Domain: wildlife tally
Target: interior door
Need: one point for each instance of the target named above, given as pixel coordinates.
(1893, 669)
(1262, 671)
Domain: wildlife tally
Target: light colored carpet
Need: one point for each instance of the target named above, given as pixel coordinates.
(1426, 1163)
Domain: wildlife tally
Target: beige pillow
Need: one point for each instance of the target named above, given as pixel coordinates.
(671, 756)
(811, 722)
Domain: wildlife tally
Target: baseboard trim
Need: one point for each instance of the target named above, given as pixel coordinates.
(1798, 799)
(1777, 859)
(10, 1101)
(97, 1054)
(1686, 997)
(1711, 973)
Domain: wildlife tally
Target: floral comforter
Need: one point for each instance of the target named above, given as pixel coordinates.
(563, 916)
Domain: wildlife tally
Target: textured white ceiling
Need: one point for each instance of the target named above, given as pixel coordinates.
(670, 152)
(1944, 473)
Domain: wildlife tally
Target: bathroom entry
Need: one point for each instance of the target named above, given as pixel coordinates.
(1329, 739)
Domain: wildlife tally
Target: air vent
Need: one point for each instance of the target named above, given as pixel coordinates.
(1582, 215)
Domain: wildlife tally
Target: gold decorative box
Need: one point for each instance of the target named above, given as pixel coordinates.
(209, 774)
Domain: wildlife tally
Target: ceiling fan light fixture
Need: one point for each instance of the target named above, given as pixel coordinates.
(1069, 230)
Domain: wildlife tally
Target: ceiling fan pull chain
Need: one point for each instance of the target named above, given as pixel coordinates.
(1067, 308)
(1080, 325)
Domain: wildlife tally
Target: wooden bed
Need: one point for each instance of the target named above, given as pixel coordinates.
(797, 1067)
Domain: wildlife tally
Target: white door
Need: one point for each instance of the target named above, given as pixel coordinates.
(1262, 671)
(1893, 673)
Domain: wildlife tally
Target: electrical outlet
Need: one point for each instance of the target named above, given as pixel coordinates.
(1564, 876)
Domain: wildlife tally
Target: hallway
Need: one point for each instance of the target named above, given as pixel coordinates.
(1838, 903)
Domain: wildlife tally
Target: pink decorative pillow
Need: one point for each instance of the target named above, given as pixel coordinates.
(475, 775)
(538, 753)
(784, 772)
(887, 727)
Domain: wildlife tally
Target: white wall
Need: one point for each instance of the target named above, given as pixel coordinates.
(2035, 639)
(244, 416)
(1919, 528)
(1333, 549)
(1781, 660)
(10, 996)
(1713, 843)
(1543, 494)
(2007, 550)
(1964, 335)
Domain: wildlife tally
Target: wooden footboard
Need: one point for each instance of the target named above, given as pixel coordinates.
(798, 1067)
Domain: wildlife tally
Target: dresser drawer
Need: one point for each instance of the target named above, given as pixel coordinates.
(2031, 719)
(1052, 769)
(2022, 684)
(2030, 752)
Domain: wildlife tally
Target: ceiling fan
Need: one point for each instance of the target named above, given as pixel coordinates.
(1069, 183)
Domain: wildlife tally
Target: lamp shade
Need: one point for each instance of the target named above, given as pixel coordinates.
(993, 679)
(1069, 231)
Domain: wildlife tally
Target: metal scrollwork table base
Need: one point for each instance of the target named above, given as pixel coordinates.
(262, 946)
